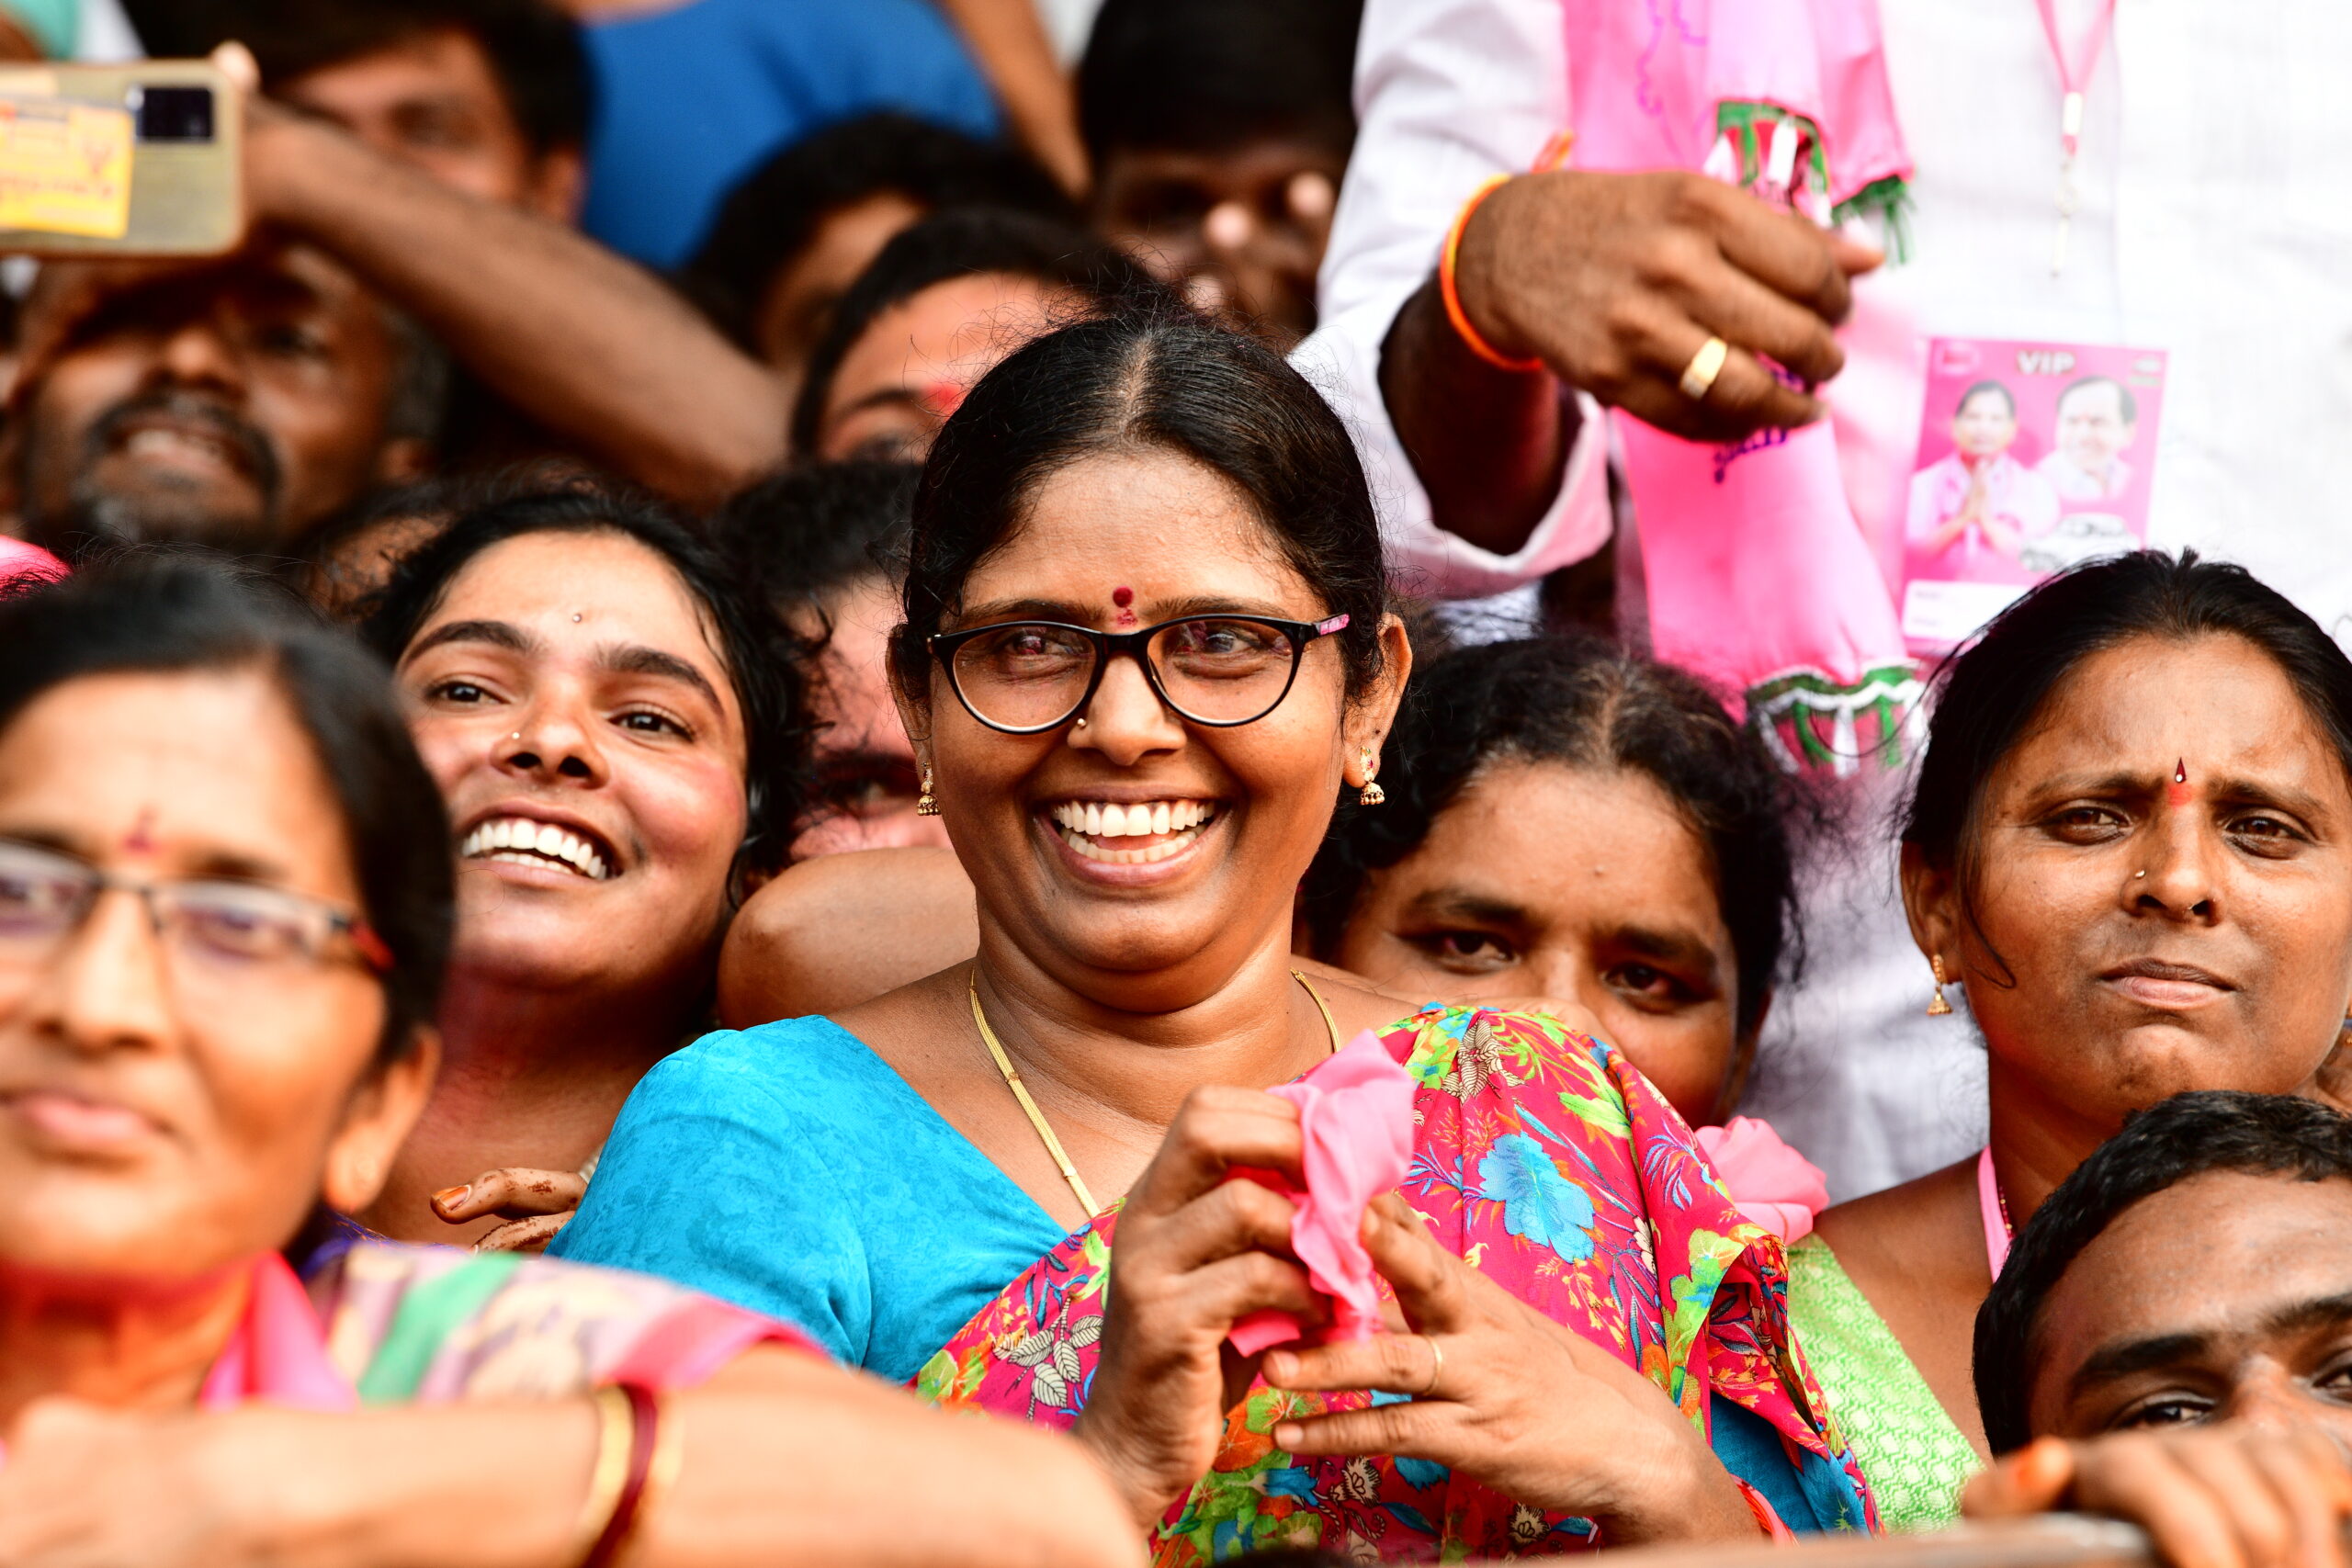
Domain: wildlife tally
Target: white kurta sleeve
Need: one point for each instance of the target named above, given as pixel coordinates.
(1448, 92)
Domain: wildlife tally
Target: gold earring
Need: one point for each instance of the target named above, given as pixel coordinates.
(1372, 794)
(926, 804)
(1936, 1006)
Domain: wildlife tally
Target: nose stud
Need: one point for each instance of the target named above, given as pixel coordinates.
(2138, 876)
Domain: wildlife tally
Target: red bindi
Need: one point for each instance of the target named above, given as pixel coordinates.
(2179, 792)
(1123, 596)
(140, 839)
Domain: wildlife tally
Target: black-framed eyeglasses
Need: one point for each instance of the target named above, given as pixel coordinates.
(213, 932)
(1026, 677)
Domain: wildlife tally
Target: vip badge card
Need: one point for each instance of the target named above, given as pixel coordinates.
(2032, 457)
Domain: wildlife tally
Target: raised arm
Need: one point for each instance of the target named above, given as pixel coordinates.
(1607, 283)
(587, 345)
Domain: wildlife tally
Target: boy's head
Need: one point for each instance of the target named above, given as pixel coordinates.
(940, 305)
(1218, 131)
(2197, 1267)
(797, 231)
(821, 544)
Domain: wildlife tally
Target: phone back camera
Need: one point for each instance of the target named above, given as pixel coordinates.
(172, 113)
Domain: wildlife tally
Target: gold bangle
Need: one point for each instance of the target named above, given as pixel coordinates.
(669, 1455)
(616, 1435)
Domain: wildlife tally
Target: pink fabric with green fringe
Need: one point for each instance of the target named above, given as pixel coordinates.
(1759, 577)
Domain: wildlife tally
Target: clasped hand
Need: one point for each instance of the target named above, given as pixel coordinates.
(1520, 1402)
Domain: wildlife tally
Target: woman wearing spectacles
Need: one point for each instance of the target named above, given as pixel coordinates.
(1147, 646)
(224, 909)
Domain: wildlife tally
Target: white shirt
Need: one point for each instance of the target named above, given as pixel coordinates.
(2214, 224)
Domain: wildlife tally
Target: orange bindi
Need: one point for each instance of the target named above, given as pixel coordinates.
(2179, 792)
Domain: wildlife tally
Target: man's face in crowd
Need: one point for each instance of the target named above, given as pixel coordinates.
(233, 404)
(434, 101)
(2092, 431)
(2226, 1297)
(1244, 227)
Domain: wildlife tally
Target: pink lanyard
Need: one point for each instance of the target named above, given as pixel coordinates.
(1997, 1212)
(2074, 79)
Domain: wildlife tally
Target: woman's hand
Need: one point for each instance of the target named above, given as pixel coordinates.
(535, 1203)
(2226, 1496)
(1502, 1394)
(71, 1466)
(1194, 1254)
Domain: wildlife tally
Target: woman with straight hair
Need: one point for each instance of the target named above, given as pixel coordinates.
(619, 740)
(2130, 848)
(1146, 647)
(224, 915)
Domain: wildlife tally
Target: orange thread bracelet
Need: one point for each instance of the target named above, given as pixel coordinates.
(1451, 294)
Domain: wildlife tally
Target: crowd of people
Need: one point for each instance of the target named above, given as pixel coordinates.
(796, 784)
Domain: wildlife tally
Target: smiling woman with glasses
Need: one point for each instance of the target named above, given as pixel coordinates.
(224, 914)
(1147, 648)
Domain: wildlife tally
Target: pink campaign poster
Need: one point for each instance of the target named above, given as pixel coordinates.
(2033, 456)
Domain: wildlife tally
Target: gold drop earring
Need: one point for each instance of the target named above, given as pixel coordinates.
(926, 804)
(1372, 794)
(1936, 1006)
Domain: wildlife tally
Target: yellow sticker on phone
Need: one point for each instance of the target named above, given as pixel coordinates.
(64, 167)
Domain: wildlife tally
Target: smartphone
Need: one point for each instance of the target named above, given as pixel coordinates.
(139, 159)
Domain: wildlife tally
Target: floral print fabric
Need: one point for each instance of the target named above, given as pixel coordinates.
(1550, 1164)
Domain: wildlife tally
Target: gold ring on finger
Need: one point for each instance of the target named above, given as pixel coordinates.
(1437, 1367)
(1699, 375)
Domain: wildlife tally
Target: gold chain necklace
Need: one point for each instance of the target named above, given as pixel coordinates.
(1037, 1118)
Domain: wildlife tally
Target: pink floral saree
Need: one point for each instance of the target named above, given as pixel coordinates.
(1553, 1167)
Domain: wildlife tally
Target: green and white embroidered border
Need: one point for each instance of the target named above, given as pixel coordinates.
(1878, 717)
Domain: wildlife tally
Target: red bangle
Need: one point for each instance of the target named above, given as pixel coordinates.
(644, 1445)
(1768, 1519)
(1451, 294)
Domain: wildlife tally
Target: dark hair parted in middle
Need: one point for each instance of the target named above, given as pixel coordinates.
(164, 613)
(2188, 1134)
(1992, 691)
(1584, 703)
(1155, 379)
(764, 675)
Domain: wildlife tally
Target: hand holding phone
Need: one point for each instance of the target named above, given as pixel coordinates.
(142, 159)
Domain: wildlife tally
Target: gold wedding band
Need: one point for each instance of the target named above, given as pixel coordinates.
(1437, 1366)
(1699, 375)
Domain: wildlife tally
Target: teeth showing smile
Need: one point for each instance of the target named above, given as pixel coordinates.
(1175, 823)
(526, 843)
(174, 443)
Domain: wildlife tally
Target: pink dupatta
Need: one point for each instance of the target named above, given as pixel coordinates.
(1759, 577)
(278, 1352)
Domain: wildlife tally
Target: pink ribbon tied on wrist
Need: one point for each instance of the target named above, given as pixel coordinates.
(1355, 1123)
